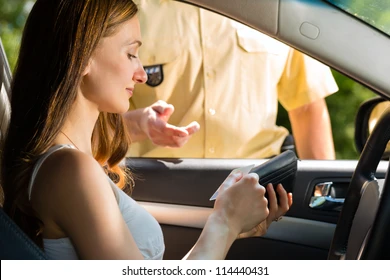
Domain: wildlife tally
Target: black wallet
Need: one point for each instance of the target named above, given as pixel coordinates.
(280, 169)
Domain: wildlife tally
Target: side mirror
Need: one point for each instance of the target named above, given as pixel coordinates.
(367, 116)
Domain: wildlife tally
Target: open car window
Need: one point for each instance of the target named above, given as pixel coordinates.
(342, 125)
(161, 53)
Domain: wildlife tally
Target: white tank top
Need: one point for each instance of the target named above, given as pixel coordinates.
(145, 229)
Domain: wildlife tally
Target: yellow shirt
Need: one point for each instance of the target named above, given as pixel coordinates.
(225, 76)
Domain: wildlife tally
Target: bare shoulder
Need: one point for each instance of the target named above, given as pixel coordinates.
(68, 167)
(74, 198)
(67, 179)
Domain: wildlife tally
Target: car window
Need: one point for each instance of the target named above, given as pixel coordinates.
(157, 56)
(162, 54)
(375, 13)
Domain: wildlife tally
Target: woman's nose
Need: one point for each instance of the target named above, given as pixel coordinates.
(140, 75)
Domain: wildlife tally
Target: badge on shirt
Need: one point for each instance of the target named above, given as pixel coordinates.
(155, 75)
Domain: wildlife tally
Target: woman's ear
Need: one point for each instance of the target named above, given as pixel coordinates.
(87, 68)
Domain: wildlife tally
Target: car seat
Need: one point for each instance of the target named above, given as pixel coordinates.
(14, 243)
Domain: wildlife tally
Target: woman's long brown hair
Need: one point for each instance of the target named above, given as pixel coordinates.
(58, 41)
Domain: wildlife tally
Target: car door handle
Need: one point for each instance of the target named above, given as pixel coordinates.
(326, 203)
(322, 200)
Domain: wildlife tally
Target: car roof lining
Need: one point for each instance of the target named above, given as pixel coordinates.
(262, 14)
(344, 42)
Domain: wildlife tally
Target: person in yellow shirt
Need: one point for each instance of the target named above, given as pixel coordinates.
(223, 80)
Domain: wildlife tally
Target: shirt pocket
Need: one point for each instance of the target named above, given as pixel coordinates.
(262, 62)
(252, 41)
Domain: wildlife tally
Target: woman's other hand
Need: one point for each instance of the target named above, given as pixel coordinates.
(277, 208)
(241, 203)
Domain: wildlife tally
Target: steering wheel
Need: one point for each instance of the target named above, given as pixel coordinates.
(363, 227)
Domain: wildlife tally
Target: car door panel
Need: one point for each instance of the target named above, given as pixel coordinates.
(179, 240)
(177, 191)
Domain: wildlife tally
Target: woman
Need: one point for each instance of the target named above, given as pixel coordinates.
(77, 69)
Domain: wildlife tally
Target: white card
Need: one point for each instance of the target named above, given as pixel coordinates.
(245, 170)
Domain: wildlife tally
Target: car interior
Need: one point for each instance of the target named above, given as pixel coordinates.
(341, 207)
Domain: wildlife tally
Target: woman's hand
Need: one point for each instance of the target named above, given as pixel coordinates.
(276, 210)
(240, 208)
(241, 204)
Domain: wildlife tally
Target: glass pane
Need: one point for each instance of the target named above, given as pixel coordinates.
(376, 13)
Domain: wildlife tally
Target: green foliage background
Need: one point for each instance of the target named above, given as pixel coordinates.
(13, 14)
(342, 105)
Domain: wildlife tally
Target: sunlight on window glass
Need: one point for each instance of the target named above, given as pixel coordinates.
(375, 13)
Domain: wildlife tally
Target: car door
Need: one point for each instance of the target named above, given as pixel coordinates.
(177, 190)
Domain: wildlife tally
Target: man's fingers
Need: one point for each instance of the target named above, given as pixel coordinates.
(182, 131)
(168, 111)
(161, 127)
(164, 134)
(192, 128)
(172, 130)
(163, 108)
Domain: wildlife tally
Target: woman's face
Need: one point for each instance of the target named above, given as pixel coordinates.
(114, 69)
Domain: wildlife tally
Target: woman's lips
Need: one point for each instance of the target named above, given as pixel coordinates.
(130, 91)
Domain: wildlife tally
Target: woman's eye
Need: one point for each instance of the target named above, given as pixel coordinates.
(130, 56)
